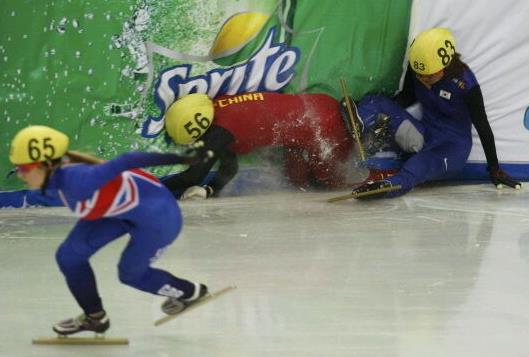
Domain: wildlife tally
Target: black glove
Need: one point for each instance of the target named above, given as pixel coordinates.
(196, 153)
(500, 178)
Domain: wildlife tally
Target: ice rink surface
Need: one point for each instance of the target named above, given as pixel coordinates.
(442, 271)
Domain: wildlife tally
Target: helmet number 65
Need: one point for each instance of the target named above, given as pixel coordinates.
(35, 152)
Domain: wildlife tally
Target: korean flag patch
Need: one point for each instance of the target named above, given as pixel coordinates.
(444, 94)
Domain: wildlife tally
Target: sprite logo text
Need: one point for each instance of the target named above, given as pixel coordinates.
(269, 69)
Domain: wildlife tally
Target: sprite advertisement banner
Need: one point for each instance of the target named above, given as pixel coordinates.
(105, 71)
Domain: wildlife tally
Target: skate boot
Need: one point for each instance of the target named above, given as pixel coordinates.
(348, 121)
(172, 305)
(373, 189)
(378, 136)
(82, 323)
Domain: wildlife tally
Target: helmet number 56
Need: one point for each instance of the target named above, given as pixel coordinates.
(196, 129)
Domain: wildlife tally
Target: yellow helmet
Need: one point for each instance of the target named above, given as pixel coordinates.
(432, 50)
(37, 143)
(189, 117)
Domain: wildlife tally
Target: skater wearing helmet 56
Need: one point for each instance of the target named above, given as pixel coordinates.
(111, 198)
(308, 126)
(439, 144)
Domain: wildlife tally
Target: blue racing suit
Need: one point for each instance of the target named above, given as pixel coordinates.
(113, 199)
(440, 142)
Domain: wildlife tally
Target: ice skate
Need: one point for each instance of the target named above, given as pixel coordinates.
(82, 323)
(353, 122)
(174, 307)
(378, 136)
(368, 190)
(373, 189)
(78, 324)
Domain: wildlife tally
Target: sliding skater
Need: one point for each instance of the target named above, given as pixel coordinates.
(439, 144)
(309, 127)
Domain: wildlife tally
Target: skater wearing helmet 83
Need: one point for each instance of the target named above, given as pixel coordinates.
(111, 198)
(438, 145)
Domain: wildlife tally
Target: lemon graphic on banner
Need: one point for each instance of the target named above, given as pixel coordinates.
(238, 37)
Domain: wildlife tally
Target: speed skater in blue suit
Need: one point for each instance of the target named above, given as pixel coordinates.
(440, 142)
(111, 198)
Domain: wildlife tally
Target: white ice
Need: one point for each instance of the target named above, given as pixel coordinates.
(442, 271)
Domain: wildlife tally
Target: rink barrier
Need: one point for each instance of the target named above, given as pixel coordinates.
(249, 181)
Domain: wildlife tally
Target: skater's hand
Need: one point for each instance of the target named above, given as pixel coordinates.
(196, 192)
(197, 154)
(500, 178)
(198, 150)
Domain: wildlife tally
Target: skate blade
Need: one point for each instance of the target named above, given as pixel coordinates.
(356, 130)
(65, 340)
(202, 301)
(364, 194)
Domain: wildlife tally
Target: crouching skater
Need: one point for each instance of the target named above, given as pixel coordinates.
(111, 199)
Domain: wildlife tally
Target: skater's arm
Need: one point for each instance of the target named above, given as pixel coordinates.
(227, 170)
(474, 100)
(83, 180)
(216, 140)
(476, 107)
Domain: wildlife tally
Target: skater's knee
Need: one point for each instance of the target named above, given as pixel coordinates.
(409, 138)
(131, 278)
(66, 257)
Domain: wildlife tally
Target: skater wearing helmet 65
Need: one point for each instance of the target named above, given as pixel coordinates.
(111, 198)
(451, 99)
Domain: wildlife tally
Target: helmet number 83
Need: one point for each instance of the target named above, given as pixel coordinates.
(442, 52)
(36, 150)
(196, 131)
(418, 66)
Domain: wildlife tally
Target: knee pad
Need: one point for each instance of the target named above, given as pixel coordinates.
(409, 138)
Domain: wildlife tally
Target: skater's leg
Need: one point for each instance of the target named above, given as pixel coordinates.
(135, 269)
(329, 167)
(407, 131)
(296, 166)
(431, 164)
(147, 244)
(73, 259)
